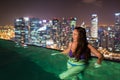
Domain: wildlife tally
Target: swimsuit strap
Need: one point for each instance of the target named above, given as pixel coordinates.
(70, 52)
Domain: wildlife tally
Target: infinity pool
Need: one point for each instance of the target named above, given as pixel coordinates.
(37, 63)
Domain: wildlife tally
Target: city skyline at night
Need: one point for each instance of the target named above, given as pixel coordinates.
(48, 9)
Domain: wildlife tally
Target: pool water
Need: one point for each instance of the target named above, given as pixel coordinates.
(37, 63)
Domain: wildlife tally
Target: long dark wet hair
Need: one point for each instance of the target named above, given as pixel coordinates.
(82, 49)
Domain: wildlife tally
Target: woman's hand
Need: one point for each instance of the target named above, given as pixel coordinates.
(96, 65)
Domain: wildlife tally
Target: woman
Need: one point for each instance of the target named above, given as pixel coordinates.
(79, 53)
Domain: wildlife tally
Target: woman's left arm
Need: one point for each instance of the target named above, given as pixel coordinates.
(96, 53)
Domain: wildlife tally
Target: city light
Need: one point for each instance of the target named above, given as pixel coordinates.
(7, 32)
(44, 21)
(26, 18)
(117, 14)
(17, 20)
(40, 22)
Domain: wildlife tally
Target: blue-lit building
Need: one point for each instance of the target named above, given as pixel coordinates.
(21, 31)
(24, 30)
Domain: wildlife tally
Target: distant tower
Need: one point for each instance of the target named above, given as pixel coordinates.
(73, 22)
(117, 21)
(117, 32)
(20, 31)
(94, 26)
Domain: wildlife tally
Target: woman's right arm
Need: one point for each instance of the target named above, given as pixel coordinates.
(97, 53)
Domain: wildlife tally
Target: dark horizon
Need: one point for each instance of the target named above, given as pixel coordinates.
(48, 9)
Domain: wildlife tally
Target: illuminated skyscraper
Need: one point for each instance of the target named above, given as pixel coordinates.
(73, 22)
(94, 26)
(110, 41)
(20, 31)
(26, 30)
(117, 32)
(117, 21)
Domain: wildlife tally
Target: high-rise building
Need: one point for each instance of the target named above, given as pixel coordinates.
(20, 31)
(111, 37)
(73, 22)
(94, 26)
(117, 21)
(25, 30)
(117, 32)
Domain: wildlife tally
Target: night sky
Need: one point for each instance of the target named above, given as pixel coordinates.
(47, 9)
